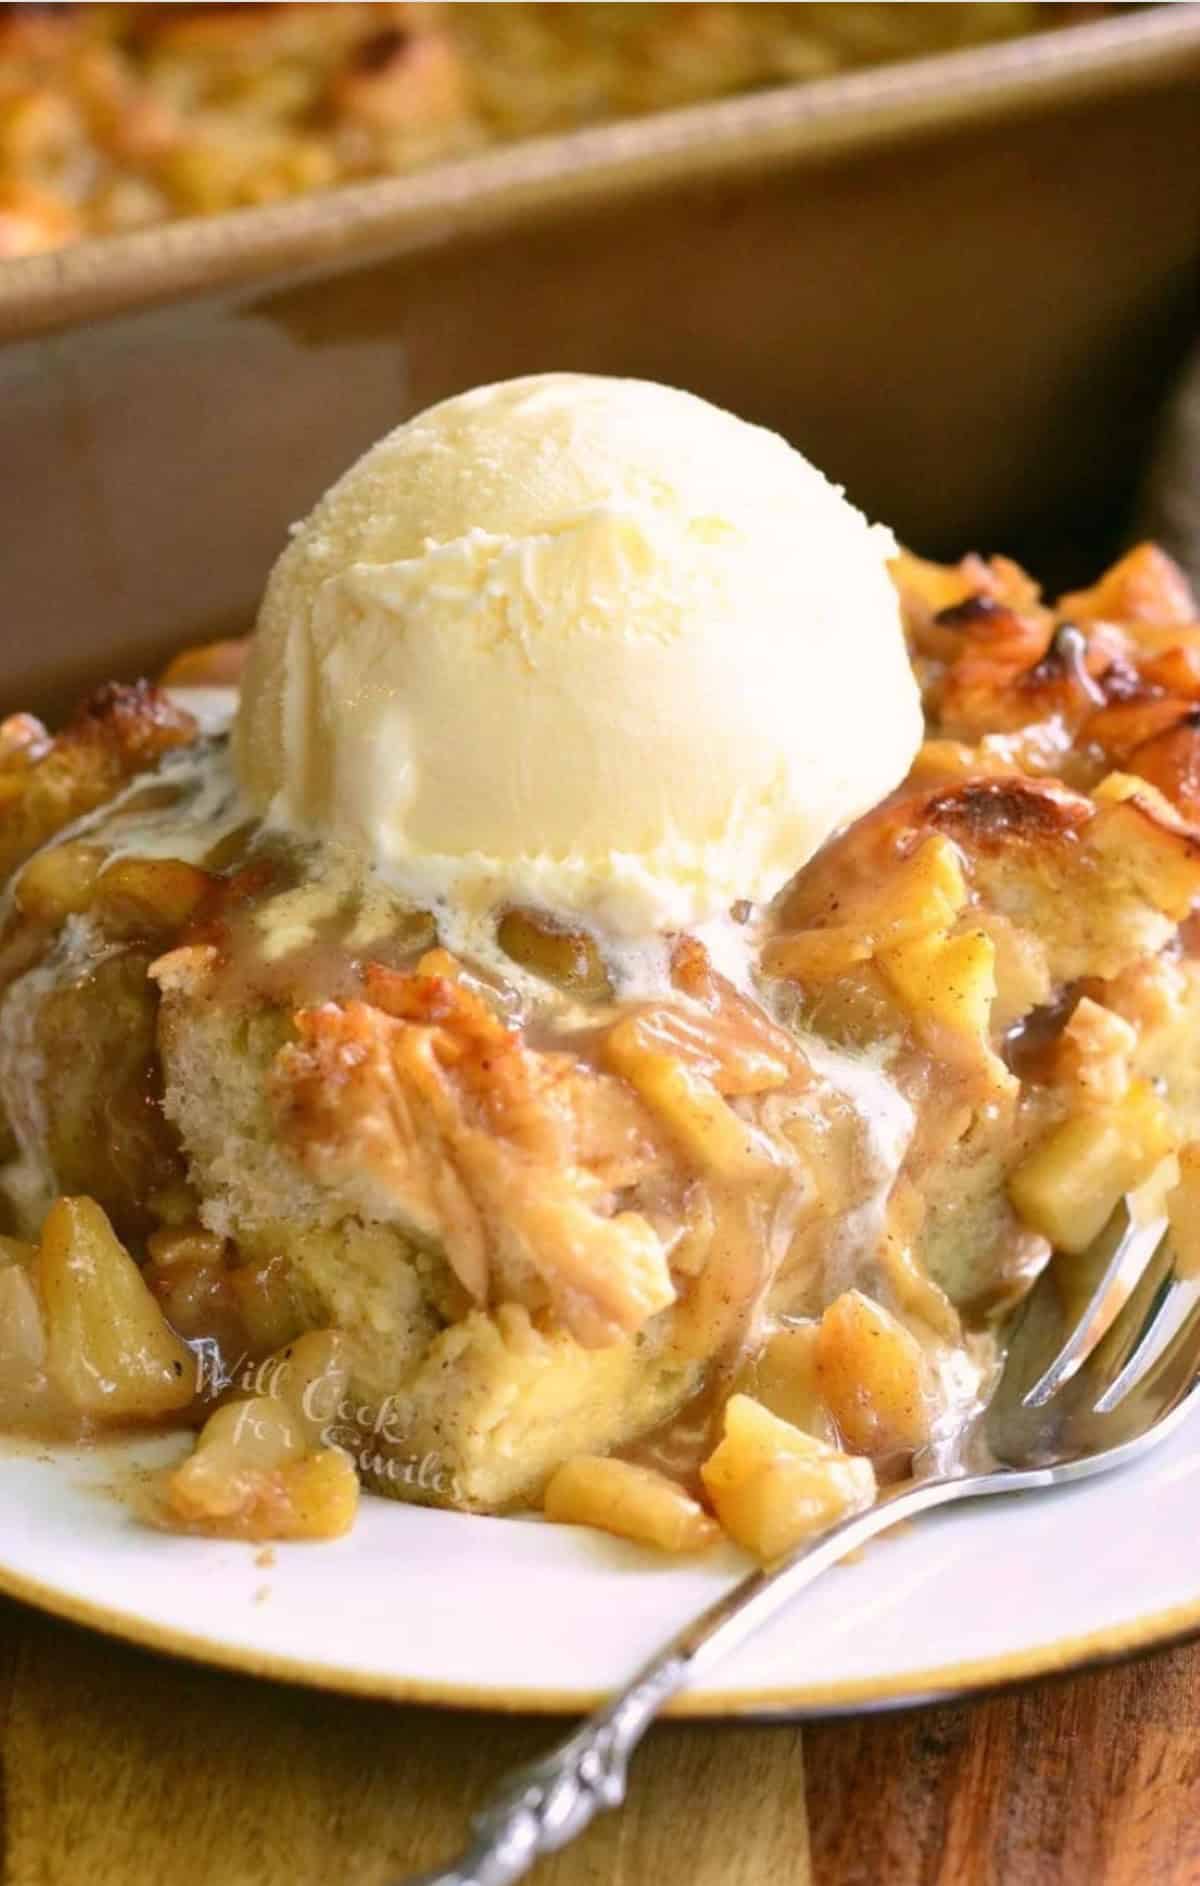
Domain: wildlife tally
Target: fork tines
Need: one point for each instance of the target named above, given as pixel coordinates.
(1107, 1343)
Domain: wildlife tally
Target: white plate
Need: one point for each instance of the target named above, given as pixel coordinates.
(519, 1614)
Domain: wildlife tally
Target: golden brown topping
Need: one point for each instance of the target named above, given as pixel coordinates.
(137, 718)
(399, 80)
(1145, 588)
(929, 590)
(115, 116)
(118, 732)
(988, 814)
(1067, 689)
(33, 221)
(1170, 760)
(1000, 655)
(1127, 725)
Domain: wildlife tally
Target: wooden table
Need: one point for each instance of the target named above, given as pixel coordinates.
(122, 1769)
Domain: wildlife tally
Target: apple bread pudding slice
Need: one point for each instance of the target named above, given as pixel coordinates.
(722, 1242)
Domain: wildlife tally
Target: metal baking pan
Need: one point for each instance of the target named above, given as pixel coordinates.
(961, 284)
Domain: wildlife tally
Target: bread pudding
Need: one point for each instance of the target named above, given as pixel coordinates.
(113, 118)
(493, 1204)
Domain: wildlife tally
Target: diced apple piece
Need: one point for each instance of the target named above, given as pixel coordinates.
(158, 894)
(310, 1377)
(1144, 586)
(1069, 1185)
(1141, 839)
(59, 881)
(567, 958)
(874, 1377)
(925, 892)
(28, 1398)
(254, 1436)
(1094, 1052)
(22, 1334)
(252, 1476)
(189, 1275)
(773, 1486)
(321, 1494)
(948, 986)
(208, 665)
(934, 586)
(186, 1243)
(632, 1501)
(921, 897)
(109, 1347)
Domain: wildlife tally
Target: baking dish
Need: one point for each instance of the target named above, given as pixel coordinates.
(960, 284)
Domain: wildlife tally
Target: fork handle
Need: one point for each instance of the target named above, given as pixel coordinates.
(541, 1807)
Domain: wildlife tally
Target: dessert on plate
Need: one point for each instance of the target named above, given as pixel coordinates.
(610, 1007)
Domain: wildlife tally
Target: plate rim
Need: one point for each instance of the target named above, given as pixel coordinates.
(1157, 1630)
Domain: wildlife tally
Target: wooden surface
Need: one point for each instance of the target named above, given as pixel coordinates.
(122, 1769)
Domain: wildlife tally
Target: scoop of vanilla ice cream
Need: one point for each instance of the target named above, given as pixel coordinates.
(586, 643)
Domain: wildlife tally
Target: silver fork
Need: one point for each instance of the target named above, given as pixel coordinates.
(1103, 1362)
